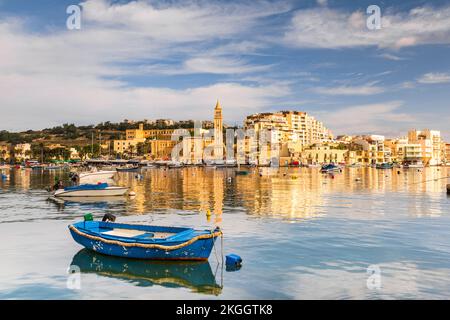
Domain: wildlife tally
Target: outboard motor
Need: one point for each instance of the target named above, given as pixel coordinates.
(74, 177)
(109, 218)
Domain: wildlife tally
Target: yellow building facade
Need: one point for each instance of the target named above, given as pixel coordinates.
(5, 151)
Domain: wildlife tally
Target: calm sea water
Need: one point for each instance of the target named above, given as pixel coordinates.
(301, 235)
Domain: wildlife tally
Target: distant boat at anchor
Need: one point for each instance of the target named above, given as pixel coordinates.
(416, 164)
(385, 165)
(329, 168)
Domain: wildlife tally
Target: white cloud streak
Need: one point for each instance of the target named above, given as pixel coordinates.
(332, 29)
(376, 118)
(433, 78)
(349, 90)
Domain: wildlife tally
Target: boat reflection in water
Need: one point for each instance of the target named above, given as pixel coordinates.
(88, 202)
(196, 276)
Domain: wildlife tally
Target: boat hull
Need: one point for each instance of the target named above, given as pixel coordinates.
(98, 175)
(198, 250)
(330, 170)
(108, 192)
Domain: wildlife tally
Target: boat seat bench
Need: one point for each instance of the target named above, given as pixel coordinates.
(138, 234)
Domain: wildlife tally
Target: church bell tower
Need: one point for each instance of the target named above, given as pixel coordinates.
(218, 132)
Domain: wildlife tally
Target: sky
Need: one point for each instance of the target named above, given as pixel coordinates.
(173, 59)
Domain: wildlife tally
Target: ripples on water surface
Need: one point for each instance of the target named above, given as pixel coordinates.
(301, 235)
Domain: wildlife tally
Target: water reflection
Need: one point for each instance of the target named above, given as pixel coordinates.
(197, 276)
(302, 234)
(87, 202)
(288, 193)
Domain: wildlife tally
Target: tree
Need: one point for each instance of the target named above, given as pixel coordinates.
(140, 149)
(131, 149)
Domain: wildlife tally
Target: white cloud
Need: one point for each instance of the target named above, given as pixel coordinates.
(376, 118)
(49, 101)
(408, 85)
(390, 56)
(433, 78)
(179, 21)
(350, 90)
(330, 28)
(206, 64)
(56, 76)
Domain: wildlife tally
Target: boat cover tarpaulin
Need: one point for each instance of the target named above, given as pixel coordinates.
(99, 186)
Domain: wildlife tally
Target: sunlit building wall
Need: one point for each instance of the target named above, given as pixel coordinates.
(431, 143)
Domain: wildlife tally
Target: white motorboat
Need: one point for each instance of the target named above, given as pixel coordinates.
(175, 165)
(91, 190)
(418, 164)
(95, 177)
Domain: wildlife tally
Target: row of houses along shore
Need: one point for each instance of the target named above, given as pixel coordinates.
(286, 137)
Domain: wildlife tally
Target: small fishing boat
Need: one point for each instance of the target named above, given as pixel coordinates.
(91, 190)
(128, 169)
(144, 242)
(330, 168)
(385, 165)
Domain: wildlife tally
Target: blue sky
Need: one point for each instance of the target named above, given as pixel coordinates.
(173, 59)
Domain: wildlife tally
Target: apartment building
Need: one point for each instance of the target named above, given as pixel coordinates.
(285, 131)
(431, 145)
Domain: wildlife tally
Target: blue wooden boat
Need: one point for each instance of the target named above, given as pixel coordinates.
(144, 242)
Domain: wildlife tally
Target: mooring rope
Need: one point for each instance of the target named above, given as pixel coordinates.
(213, 234)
